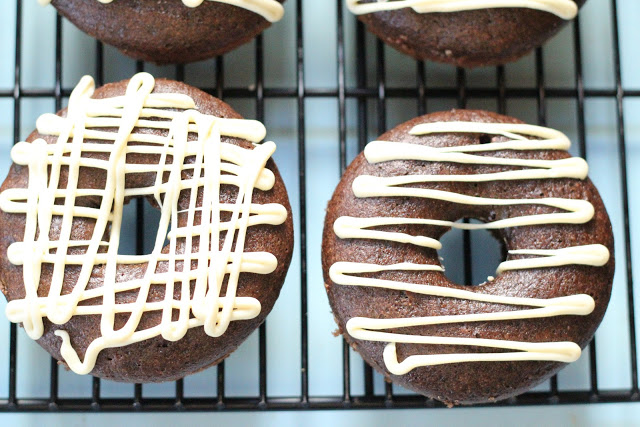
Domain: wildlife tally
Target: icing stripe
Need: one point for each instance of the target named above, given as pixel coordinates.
(565, 352)
(343, 273)
(214, 164)
(579, 211)
(565, 9)
(252, 130)
(519, 138)
(271, 10)
(594, 255)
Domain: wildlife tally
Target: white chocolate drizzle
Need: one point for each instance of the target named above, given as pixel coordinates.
(519, 137)
(214, 164)
(565, 9)
(271, 10)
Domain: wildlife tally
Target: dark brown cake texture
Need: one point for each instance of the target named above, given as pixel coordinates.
(154, 359)
(165, 31)
(469, 38)
(469, 382)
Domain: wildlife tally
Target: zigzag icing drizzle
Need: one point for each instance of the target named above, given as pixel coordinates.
(565, 9)
(270, 10)
(215, 163)
(576, 212)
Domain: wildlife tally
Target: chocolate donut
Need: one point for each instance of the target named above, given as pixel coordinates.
(385, 282)
(466, 33)
(224, 210)
(172, 31)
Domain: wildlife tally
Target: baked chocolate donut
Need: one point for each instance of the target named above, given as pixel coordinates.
(385, 282)
(224, 209)
(466, 33)
(172, 31)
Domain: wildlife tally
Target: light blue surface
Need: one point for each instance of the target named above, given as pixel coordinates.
(615, 415)
(283, 330)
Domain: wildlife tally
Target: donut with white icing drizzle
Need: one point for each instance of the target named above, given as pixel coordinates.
(385, 282)
(173, 309)
(172, 31)
(466, 33)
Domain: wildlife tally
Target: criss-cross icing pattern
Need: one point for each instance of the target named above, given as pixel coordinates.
(271, 10)
(519, 137)
(565, 9)
(211, 164)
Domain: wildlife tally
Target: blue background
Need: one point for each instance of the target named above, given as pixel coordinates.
(323, 170)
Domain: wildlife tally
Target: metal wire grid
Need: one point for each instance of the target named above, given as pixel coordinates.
(362, 93)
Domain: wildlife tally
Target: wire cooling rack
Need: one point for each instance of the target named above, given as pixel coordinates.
(362, 94)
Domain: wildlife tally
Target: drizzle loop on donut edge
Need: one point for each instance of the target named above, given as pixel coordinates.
(565, 9)
(215, 164)
(271, 10)
(576, 212)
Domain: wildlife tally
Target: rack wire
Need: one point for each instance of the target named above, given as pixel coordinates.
(363, 93)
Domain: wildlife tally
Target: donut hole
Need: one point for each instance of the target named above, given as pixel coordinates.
(129, 244)
(151, 225)
(487, 253)
(485, 139)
